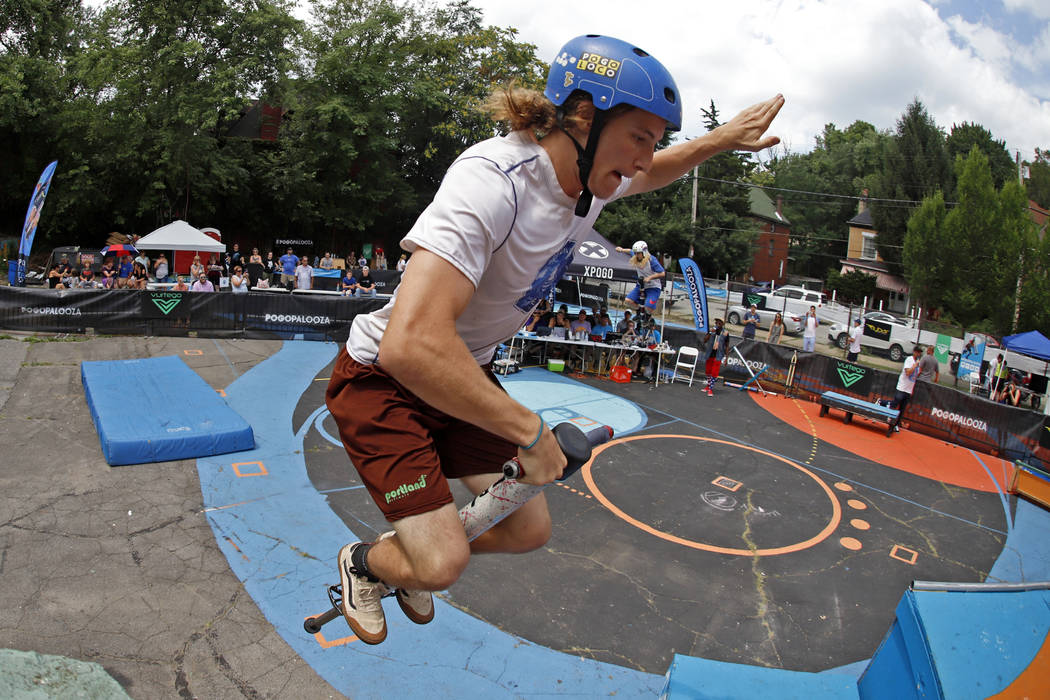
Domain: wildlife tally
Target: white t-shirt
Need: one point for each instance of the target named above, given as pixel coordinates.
(304, 275)
(501, 219)
(811, 327)
(904, 383)
(854, 338)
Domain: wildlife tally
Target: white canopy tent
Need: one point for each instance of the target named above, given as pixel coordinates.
(178, 235)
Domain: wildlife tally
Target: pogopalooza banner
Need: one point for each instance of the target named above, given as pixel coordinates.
(694, 284)
(36, 204)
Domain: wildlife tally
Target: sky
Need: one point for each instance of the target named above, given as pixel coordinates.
(834, 61)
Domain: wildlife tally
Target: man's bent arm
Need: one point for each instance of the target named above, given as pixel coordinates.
(423, 352)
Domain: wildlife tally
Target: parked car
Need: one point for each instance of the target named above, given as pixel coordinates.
(796, 300)
(990, 341)
(793, 324)
(898, 345)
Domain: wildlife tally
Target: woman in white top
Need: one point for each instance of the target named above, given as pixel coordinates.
(238, 281)
(412, 401)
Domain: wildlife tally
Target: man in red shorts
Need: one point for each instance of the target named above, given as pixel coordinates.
(411, 393)
(716, 345)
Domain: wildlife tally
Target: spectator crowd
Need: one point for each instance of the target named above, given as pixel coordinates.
(234, 271)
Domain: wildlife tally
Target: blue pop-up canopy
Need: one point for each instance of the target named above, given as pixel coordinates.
(1032, 343)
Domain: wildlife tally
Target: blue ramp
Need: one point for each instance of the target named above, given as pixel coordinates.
(158, 410)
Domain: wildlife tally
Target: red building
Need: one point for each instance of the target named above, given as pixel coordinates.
(771, 246)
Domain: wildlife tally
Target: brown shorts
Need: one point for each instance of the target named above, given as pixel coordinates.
(405, 449)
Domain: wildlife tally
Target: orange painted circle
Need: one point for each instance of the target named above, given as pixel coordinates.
(836, 509)
(850, 543)
(859, 524)
(856, 505)
(843, 486)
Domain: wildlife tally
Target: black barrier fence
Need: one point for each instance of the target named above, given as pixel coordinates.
(385, 280)
(935, 410)
(216, 314)
(942, 412)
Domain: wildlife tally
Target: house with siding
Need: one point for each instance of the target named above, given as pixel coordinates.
(862, 254)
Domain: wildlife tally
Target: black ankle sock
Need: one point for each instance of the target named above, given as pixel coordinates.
(359, 558)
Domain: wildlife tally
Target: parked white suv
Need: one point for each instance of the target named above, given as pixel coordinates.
(884, 332)
(796, 300)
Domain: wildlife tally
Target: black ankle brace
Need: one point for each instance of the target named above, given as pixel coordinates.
(359, 560)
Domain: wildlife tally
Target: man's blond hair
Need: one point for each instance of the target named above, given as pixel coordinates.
(521, 108)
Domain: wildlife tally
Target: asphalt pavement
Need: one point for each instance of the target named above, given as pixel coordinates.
(118, 566)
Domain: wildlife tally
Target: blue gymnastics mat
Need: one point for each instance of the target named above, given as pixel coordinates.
(157, 410)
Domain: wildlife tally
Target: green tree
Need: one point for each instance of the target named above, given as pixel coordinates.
(931, 272)
(724, 232)
(391, 103)
(180, 74)
(1038, 183)
(40, 44)
(964, 137)
(1020, 266)
(914, 165)
(966, 260)
(1035, 312)
(842, 163)
(852, 287)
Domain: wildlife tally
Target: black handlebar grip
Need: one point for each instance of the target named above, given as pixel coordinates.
(577, 445)
(574, 443)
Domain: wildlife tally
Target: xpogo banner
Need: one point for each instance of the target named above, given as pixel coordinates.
(694, 284)
(36, 205)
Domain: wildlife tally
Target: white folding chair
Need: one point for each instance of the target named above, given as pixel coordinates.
(686, 360)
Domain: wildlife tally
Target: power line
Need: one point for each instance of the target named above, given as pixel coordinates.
(907, 202)
(789, 235)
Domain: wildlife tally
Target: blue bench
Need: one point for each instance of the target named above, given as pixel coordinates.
(852, 405)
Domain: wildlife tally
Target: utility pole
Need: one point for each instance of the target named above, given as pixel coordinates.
(1020, 257)
(692, 228)
(696, 180)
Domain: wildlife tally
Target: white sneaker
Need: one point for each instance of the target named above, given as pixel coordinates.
(418, 606)
(362, 599)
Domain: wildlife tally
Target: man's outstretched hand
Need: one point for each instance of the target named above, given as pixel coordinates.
(747, 130)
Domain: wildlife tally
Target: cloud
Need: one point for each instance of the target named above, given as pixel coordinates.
(987, 44)
(833, 61)
(1036, 8)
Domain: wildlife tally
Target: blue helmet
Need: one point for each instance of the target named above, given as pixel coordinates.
(614, 72)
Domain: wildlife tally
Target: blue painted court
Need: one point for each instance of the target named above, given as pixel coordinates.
(709, 551)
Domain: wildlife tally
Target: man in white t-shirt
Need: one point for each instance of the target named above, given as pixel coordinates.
(855, 333)
(809, 334)
(906, 384)
(411, 393)
(304, 274)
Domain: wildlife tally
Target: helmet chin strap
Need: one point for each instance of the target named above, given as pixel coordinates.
(585, 160)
